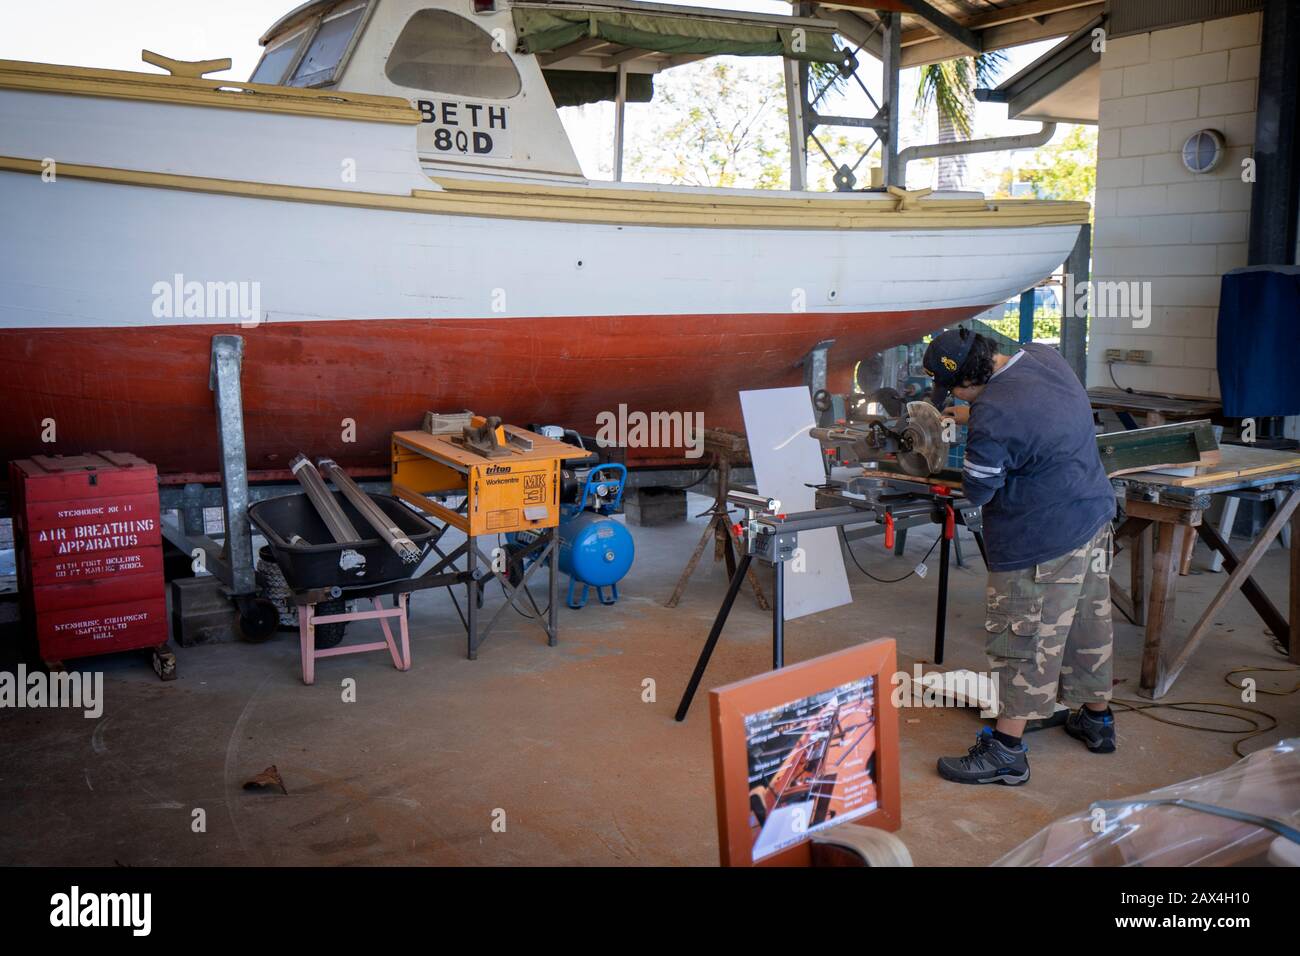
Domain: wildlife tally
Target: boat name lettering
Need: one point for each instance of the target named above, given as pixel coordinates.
(477, 129)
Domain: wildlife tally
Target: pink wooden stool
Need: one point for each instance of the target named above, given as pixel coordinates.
(308, 619)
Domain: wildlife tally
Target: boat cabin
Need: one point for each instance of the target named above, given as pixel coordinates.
(488, 75)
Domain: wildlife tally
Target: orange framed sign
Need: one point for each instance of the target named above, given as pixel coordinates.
(803, 749)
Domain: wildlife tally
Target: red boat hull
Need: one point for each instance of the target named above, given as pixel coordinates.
(145, 390)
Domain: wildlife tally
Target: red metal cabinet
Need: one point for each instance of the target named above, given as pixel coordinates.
(89, 548)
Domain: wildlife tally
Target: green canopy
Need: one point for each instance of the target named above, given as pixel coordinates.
(546, 30)
(578, 87)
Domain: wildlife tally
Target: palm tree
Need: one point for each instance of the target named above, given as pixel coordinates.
(950, 87)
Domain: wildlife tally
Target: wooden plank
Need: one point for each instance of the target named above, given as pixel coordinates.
(1189, 544)
(1249, 589)
(941, 23)
(1235, 462)
(1131, 527)
(1161, 446)
(1167, 675)
(1160, 609)
(1165, 514)
(1177, 406)
(1138, 576)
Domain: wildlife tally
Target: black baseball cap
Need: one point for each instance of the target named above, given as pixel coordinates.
(943, 361)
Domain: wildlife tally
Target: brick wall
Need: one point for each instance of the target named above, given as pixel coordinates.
(1157, 222)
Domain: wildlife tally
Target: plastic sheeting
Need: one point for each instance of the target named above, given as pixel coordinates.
(1246, 815)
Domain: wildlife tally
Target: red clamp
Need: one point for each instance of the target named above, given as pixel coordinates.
(889, 531)
(949, 521)
(942, 490)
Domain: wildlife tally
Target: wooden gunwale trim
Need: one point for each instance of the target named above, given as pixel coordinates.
(202, 91)
(1077, 211)
(526, 202)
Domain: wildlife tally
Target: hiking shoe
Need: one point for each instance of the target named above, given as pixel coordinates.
(1097, 731)
(989, 761)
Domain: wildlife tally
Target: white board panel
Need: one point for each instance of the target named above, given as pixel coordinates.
(786, 460)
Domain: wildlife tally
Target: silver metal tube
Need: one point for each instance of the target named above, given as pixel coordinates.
(396, 539)
(995, 144)
(754, 502)
(340, 528)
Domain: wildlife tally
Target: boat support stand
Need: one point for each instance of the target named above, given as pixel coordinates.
(231, 562)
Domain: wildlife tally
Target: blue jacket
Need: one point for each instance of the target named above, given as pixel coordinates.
(1032, 462)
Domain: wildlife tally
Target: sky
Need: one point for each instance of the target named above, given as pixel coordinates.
(111, 33)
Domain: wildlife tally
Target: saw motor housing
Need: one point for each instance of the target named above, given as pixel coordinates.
(914, 437)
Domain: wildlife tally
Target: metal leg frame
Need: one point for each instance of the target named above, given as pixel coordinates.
(547, 556)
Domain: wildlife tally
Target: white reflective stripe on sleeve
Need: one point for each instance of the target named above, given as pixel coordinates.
(981, 471)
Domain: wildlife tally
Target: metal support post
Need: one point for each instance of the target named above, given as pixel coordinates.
(620, 112)
(471, 595)
(553, 610)
(892, 57)
(719, 622)
(1026, 333)
(1074, 325)
(223, 380)
(778, 616)
(796, 100)
(941, 607)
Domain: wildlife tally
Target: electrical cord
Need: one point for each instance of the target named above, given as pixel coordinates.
(1110, 367)
(1276, 670)
(708, 471)
(539, 613)
(1202, 707)
(849, 548)
(1246, 715)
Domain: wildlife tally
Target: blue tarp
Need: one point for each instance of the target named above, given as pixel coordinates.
(1259, 341)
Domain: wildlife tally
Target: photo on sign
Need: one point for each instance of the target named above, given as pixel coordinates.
(812, 765)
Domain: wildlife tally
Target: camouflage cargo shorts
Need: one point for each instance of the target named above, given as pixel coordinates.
(1049, 631)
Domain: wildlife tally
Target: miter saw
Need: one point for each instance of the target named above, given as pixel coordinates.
(911, 432)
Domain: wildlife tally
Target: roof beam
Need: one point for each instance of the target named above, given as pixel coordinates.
(573, 49)
(1000, 37)
(1036, 10)
(853, 27)
(946, 25)
(621, 57)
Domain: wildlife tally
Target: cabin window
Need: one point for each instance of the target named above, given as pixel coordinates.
(333, 38)
(277, 60)
(445, 53)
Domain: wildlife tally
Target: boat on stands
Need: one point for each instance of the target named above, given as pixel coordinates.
(392, 217)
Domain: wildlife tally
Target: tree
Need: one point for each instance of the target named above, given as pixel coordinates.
(950, 87)
(724, 125)
(1065, 170)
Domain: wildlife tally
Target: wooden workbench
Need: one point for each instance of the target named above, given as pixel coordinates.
(1167, 508)
(1171, 507)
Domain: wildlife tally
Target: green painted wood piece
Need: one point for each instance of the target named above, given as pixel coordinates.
(1182, 443)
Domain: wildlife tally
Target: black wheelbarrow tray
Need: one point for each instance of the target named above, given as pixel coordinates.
(325, 563)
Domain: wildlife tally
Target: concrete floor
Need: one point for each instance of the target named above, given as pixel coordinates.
(558, 738)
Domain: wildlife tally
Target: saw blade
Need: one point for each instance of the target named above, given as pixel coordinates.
(926, 452)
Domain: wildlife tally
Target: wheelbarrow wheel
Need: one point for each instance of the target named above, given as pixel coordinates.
(330, 635)
(258, 619)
